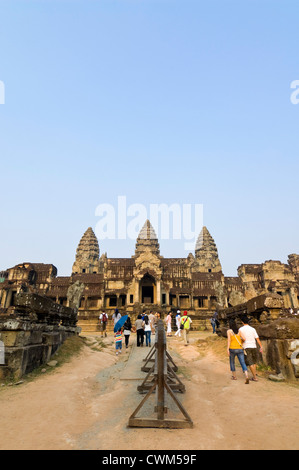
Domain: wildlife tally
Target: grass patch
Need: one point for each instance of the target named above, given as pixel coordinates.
(69, 349)
(183, 370)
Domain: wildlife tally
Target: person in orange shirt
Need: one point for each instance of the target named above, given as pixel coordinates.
(235, 349)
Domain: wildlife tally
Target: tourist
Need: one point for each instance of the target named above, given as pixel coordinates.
(147, 331)
(127, 331)
(118, 341)
(168, 323)
(178, 323)
(103, 323)
(250, 337)
(185, 326)
(139, 325)
(213, 323)
(151, 318)
(116, 316)
(215, 318)
(235, 349)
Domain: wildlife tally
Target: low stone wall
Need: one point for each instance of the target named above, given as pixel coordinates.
(277, 328)
(34, 331)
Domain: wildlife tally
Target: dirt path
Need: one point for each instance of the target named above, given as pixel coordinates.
(85, 405)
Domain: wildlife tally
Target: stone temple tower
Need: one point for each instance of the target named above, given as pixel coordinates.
(206, 253)
(87, 255)
(147, 240)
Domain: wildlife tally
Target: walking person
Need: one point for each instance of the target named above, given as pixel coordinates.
(185, 326)
(147, 331)
(235, 349)
(103, 323)
(250, 337)
(215, 318)
(213, 323)
(116, 316)
(168, 324)
(139, 325)
(178, 323)
(127, 331)
(118, 341)
(151, 318)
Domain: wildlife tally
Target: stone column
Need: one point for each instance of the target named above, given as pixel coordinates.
(3, 301)
(159, 292)
(8, 298)
(136, 300)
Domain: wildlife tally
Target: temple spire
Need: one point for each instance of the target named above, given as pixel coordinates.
(87, 254)
(147, 240)
(206, 252)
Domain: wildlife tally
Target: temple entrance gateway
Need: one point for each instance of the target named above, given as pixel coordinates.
(147, 289)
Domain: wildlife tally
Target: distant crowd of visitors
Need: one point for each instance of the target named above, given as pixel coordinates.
(144, 326)
(241, 342)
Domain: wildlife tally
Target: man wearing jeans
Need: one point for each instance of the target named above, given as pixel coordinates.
(250, 338)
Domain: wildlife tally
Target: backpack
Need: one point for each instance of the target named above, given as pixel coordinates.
(183, 324)
(104, 318)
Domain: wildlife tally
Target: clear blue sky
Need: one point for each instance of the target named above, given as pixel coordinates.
(163, 101)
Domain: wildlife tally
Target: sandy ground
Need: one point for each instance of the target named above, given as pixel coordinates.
(85, 405)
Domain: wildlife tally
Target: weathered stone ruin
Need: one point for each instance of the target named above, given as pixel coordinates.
(277, 327)
(31, 331)
(148, 281)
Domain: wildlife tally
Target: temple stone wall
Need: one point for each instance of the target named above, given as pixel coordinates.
(148, 281)
(278, 330)
(33, 332)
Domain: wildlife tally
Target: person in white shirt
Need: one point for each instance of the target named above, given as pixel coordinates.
(147, 331)
(116, 316)
(250, 338)
(151, 318)
(178, 323)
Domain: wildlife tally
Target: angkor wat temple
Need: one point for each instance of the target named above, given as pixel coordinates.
(148, 281)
